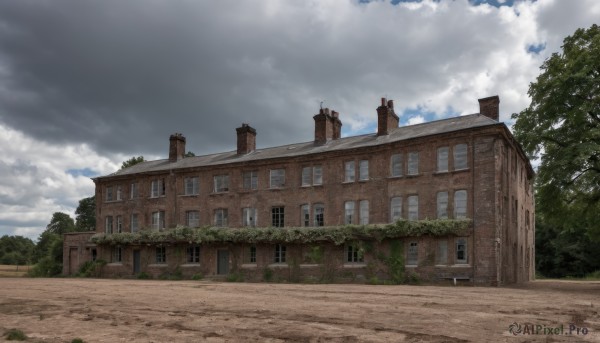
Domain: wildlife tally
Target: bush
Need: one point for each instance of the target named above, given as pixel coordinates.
(77, 340)
(46, 267)
(15, 335)
(143, 276)
(235, 277)
(197, 276)
(268, 274)
(91, 268)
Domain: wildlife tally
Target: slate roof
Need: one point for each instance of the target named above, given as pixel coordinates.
(307, 148)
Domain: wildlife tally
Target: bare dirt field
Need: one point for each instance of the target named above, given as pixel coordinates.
(100, 310)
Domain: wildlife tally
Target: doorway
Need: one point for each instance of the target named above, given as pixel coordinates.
(136, 261)
(222, 262)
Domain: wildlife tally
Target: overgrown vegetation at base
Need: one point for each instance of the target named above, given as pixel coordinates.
(91, 268)
(335, 234)
(15, 335)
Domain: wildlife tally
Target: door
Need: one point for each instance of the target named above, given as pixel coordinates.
(73, 259)
(222, 262)
(136, 261)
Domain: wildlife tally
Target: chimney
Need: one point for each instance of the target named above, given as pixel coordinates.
(386, 117)
(246, 139)
(328, 126)
(490, 107)
(176, 147)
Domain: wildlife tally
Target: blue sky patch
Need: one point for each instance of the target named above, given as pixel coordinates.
(536, 49)
(87, 172)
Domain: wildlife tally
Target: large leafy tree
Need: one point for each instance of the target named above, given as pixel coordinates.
(85, 219)
(15, 250)
(132, 161)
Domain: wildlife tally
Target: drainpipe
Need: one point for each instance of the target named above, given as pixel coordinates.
(473, 202)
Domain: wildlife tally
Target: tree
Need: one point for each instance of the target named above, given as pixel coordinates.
(85, 219)
(15, 250)
(132, 161)
(189, 154)
(61, 223)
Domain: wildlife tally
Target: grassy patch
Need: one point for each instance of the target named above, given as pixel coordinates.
(15, 335)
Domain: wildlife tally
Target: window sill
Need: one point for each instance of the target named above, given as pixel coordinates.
(158, 197)
(411, 266)
(413, 175)
(461, 170)
(355, 265)
(445, 172)
(460, 265)
(395, 177)
(114, 264)
(190, 195)
(249, 265)
(278, 265)
(190, 264)
(219, 193)
(160, 265)
(309, 265)
(348, 182)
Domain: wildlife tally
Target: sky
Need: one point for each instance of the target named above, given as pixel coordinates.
(85, 85)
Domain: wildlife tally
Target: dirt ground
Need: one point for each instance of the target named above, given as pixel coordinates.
(100, 310)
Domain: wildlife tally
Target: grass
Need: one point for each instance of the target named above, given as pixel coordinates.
(13, 271)
(15, 335)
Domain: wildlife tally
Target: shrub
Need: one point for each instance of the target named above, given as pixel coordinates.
(268, 274)
(144, 276)
(197, 276)
(91, 268)
(15, 335)
(235, 277)
(77, 340)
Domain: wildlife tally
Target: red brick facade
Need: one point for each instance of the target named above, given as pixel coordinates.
(481, 160)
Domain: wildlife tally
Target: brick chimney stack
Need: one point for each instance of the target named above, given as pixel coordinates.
(246, 139)
(386, 117)
(328, 126)
(490, 107)
(176, 147)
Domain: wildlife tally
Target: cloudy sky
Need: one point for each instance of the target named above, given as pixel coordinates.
(84, 85)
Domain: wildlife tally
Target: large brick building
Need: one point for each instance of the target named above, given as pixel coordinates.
(462, 167)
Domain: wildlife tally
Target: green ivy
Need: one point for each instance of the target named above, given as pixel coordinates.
(335, 234)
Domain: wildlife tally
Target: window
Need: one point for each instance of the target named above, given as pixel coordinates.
(250, 180)
(108, 224)
(442, 159)
(461, 250)
(442, 205)
(460, 157)
(395, 209)
(413, 163)
(133, 191)
(158, 220)
(306, 176)
(319, 215)
(192, 218)
(396, 165)
(353, 255)
(277, 216)
(442, 253)
(109, 193)
(312, 176)
(119, 224)
(161, 255)
(279, 253)
(134, 223)
(277, 178)
(317, 175)
(249, 216)
(221, 183)
(157, 188)
(412, 255)
(305, 215)
(349, 171)
(221, 216)
(413, 207)
(116, 255)
(192, 185)
(193, 254)
(251, 255)
(119, 193)
(349, 212)
(363, 170)
(460, 204)
(364, 212)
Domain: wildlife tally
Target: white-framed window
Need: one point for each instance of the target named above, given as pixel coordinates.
(363, 170)
(319, 215)
(116, 255)
(158, 220)
(192, 218)
(306, 176)
(364, 212)
(157, 188)
(135, 225)
(460, 204)
(413, 207)
(353, 255)
(349, 212)
(461, 250)
(193, 254)
(251, 255)
(161, 255)
(305, 215)
(396, 165)
(221, 183)
(412, 254)
(133, 190)
(109, 193)
(249, 216)
(413, 163)
(278, 216)
(442, 205)
(119, 193)
(250, 180)
(317, 175)
(441, 257)
(277, 177)
(395, 209)
(119, 221)
(108, 224)
(442, 159)
(279, 253)
(192, 185)
(460, 157)
(221, 217)
(349, 173)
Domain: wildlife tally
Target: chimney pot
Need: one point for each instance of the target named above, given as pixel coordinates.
(382, 101)
(246, 139)
(390, 103)
(386, 117)
(490, 107)
(176, 147)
